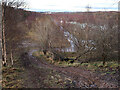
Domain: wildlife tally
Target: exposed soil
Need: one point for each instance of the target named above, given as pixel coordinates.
(39, 73)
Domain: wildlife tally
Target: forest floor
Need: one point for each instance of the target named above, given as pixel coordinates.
(41, 74)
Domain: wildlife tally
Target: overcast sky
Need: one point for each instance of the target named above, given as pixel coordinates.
(72, 5)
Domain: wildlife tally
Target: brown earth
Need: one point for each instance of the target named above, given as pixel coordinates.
(38, 70)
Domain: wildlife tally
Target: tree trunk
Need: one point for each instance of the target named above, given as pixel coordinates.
(11, 57)
(82, 54)
(45, 52)
(3, 37)
(104, 59)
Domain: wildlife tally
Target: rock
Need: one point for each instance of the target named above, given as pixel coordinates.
(93, 86)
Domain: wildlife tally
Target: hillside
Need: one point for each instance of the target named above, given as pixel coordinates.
(60, 50)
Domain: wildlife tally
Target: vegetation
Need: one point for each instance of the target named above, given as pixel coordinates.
(95, 66)
(30, 37)
(98, 38)
(109, 71)
(12, 76)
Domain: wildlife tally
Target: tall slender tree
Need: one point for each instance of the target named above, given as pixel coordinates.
(5, 5)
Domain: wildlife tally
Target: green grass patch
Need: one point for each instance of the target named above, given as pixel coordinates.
(110, 67)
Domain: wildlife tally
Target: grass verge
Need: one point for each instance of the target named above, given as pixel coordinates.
(111, 67)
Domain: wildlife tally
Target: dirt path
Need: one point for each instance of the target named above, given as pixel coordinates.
(80, 77)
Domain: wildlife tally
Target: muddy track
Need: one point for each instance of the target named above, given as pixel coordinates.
(81, 77)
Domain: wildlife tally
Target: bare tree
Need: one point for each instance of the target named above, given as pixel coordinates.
(5, 4)
(47, 35)
(96, 39)
(14, 3)
(107, 39)
(3, 35)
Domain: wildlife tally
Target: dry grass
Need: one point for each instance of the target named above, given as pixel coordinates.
(12, 76)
